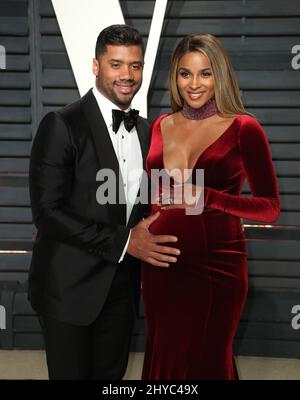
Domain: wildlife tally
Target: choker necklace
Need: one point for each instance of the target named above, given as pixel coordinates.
(206, 111)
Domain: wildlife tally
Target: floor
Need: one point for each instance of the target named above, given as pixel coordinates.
(16, 364)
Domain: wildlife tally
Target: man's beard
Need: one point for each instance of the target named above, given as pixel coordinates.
(113, 96)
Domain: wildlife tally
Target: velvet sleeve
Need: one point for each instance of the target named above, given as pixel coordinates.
(264, 204)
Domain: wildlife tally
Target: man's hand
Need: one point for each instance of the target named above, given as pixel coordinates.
(145, 246)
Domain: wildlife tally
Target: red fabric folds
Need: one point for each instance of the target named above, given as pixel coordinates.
(193, 307)
(264, 205)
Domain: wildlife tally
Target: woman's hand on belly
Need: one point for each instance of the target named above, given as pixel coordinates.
(184, 195)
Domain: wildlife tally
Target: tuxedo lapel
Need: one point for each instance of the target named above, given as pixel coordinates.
(143, 134)
(105, 153)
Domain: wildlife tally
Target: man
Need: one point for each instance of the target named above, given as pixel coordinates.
(84, 275)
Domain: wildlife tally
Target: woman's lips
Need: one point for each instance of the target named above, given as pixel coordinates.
(195, 96)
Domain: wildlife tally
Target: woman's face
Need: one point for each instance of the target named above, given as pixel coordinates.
(195, 81)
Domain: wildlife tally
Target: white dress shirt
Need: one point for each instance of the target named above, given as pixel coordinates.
(128, 151)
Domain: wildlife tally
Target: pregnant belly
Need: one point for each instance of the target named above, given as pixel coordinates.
(209, 230)
(189, 229)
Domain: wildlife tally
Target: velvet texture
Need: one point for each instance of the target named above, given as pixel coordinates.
(193, 307)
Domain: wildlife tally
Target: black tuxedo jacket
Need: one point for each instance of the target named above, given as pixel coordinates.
(79, 241)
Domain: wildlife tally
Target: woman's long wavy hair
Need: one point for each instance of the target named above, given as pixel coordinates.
(227, 92)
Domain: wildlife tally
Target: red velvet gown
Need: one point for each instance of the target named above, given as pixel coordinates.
(193, 307)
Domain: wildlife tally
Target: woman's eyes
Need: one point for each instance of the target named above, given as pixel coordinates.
(185, 74)
(206, 74)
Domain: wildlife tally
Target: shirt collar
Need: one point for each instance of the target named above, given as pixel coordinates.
(106, 106)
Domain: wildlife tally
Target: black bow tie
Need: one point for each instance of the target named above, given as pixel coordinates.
(129, 118)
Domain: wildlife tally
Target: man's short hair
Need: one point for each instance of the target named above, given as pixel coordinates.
(118, 35)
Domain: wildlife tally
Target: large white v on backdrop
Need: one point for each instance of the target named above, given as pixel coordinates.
(80, 23)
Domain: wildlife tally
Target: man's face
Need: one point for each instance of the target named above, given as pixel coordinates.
(119, 73)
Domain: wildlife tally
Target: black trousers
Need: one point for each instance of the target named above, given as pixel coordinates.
(100, 350)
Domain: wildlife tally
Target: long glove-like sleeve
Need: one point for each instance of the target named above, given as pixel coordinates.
(264, 205)
(50, 184)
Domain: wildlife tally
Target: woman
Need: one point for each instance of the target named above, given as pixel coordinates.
(193, 306)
